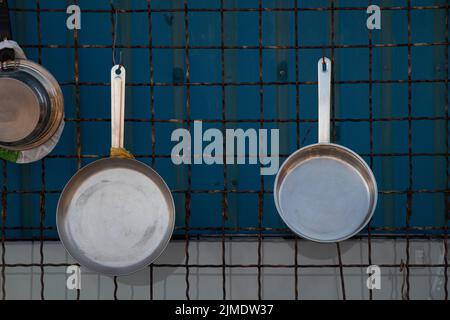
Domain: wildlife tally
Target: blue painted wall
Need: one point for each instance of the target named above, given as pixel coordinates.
(242, 102)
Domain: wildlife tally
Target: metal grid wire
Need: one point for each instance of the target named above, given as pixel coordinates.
(224, 233)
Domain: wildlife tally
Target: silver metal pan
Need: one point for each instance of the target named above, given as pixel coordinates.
(31, 101)
(325, 192)
(116, 215)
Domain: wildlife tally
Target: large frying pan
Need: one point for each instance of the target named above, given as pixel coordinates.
(31, 101)
(116, 215)
(325, 192)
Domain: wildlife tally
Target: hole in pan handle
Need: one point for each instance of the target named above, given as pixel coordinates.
(324, 77)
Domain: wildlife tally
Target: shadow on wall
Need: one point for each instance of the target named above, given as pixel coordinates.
(147, 275)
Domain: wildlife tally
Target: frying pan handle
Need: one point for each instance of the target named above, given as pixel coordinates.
(118, 74)
(324, 76)
(5, 26)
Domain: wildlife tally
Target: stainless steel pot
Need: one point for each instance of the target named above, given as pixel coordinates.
(31, 101)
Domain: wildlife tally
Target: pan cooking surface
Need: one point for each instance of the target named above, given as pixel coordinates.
(19, 110)
(117, 217)
(324, 198)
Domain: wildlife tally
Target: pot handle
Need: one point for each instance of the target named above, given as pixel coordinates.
(118, 75)
(324, 77)
(5, 26)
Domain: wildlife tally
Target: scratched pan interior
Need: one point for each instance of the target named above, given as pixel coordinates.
(115, 216)
(325, 193)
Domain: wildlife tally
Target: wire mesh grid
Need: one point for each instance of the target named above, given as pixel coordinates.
(222, 233)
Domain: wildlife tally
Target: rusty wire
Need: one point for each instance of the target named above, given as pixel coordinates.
(223, 233)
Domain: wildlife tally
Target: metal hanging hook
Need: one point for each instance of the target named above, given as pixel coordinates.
(324, 64)
(5, 25)
(114, 50)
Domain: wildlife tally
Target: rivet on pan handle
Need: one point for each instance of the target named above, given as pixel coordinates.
(324, 77)
(118, 76)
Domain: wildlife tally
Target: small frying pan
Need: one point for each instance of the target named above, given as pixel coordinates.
(31, 101)
(116, 215)
(325, 192)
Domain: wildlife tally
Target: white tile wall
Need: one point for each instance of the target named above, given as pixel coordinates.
(240, 283)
